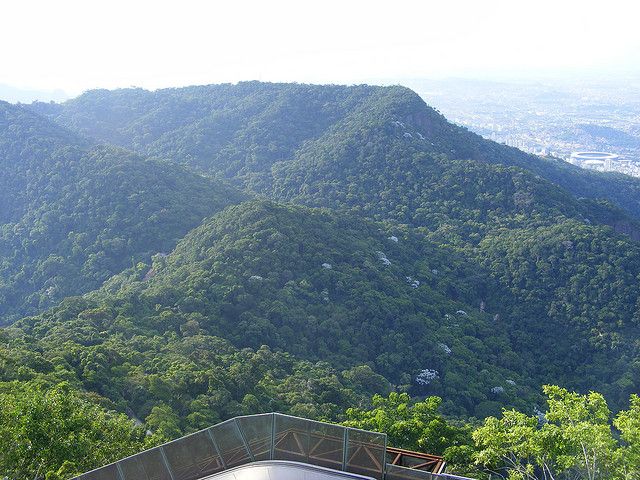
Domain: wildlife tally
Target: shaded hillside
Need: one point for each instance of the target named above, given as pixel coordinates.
(235, 130)
(74, 215)
(373, 163)
(27, 142)
(569, 294)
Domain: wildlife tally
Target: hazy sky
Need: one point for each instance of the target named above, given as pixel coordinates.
(77, 45)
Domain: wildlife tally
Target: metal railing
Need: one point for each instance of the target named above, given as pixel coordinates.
(253, 438)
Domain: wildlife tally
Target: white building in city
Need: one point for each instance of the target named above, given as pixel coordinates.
(601, 161)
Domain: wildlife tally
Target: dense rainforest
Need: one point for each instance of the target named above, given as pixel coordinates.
(72, 215)
(186, 255)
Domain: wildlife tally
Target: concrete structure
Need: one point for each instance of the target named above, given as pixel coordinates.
(601, 161)
(273, 446)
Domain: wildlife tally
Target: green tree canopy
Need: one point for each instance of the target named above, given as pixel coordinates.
(574, 439)
(46, 431)
(412, 425)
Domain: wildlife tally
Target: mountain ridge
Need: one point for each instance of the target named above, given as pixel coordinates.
(243, 146)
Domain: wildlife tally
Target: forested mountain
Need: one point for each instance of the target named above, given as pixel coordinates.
(72, 215)
(252, 131)
(396, 251)
(320, 286)
(380, 152)
(328, 287)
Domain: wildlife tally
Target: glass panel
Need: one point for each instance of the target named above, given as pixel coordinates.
(147, 465)
(229, 440)
(291, 439)
(192, 457)
(257, 430)
(326, 445)
(365, 453)
(110, 472)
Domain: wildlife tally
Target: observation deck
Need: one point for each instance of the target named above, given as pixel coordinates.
(274, 446)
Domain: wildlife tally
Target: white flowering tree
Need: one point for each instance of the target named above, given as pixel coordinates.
(426, 376)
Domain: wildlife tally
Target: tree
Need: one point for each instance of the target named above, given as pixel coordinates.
(412, 425)
(574, 440)
(628, 423)
(56, 433)
(163, 419)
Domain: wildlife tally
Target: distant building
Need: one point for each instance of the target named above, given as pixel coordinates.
(601, 161)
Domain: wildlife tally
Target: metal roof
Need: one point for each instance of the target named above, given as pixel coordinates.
(283, 470)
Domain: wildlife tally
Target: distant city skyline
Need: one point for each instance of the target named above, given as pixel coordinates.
(73, 46)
